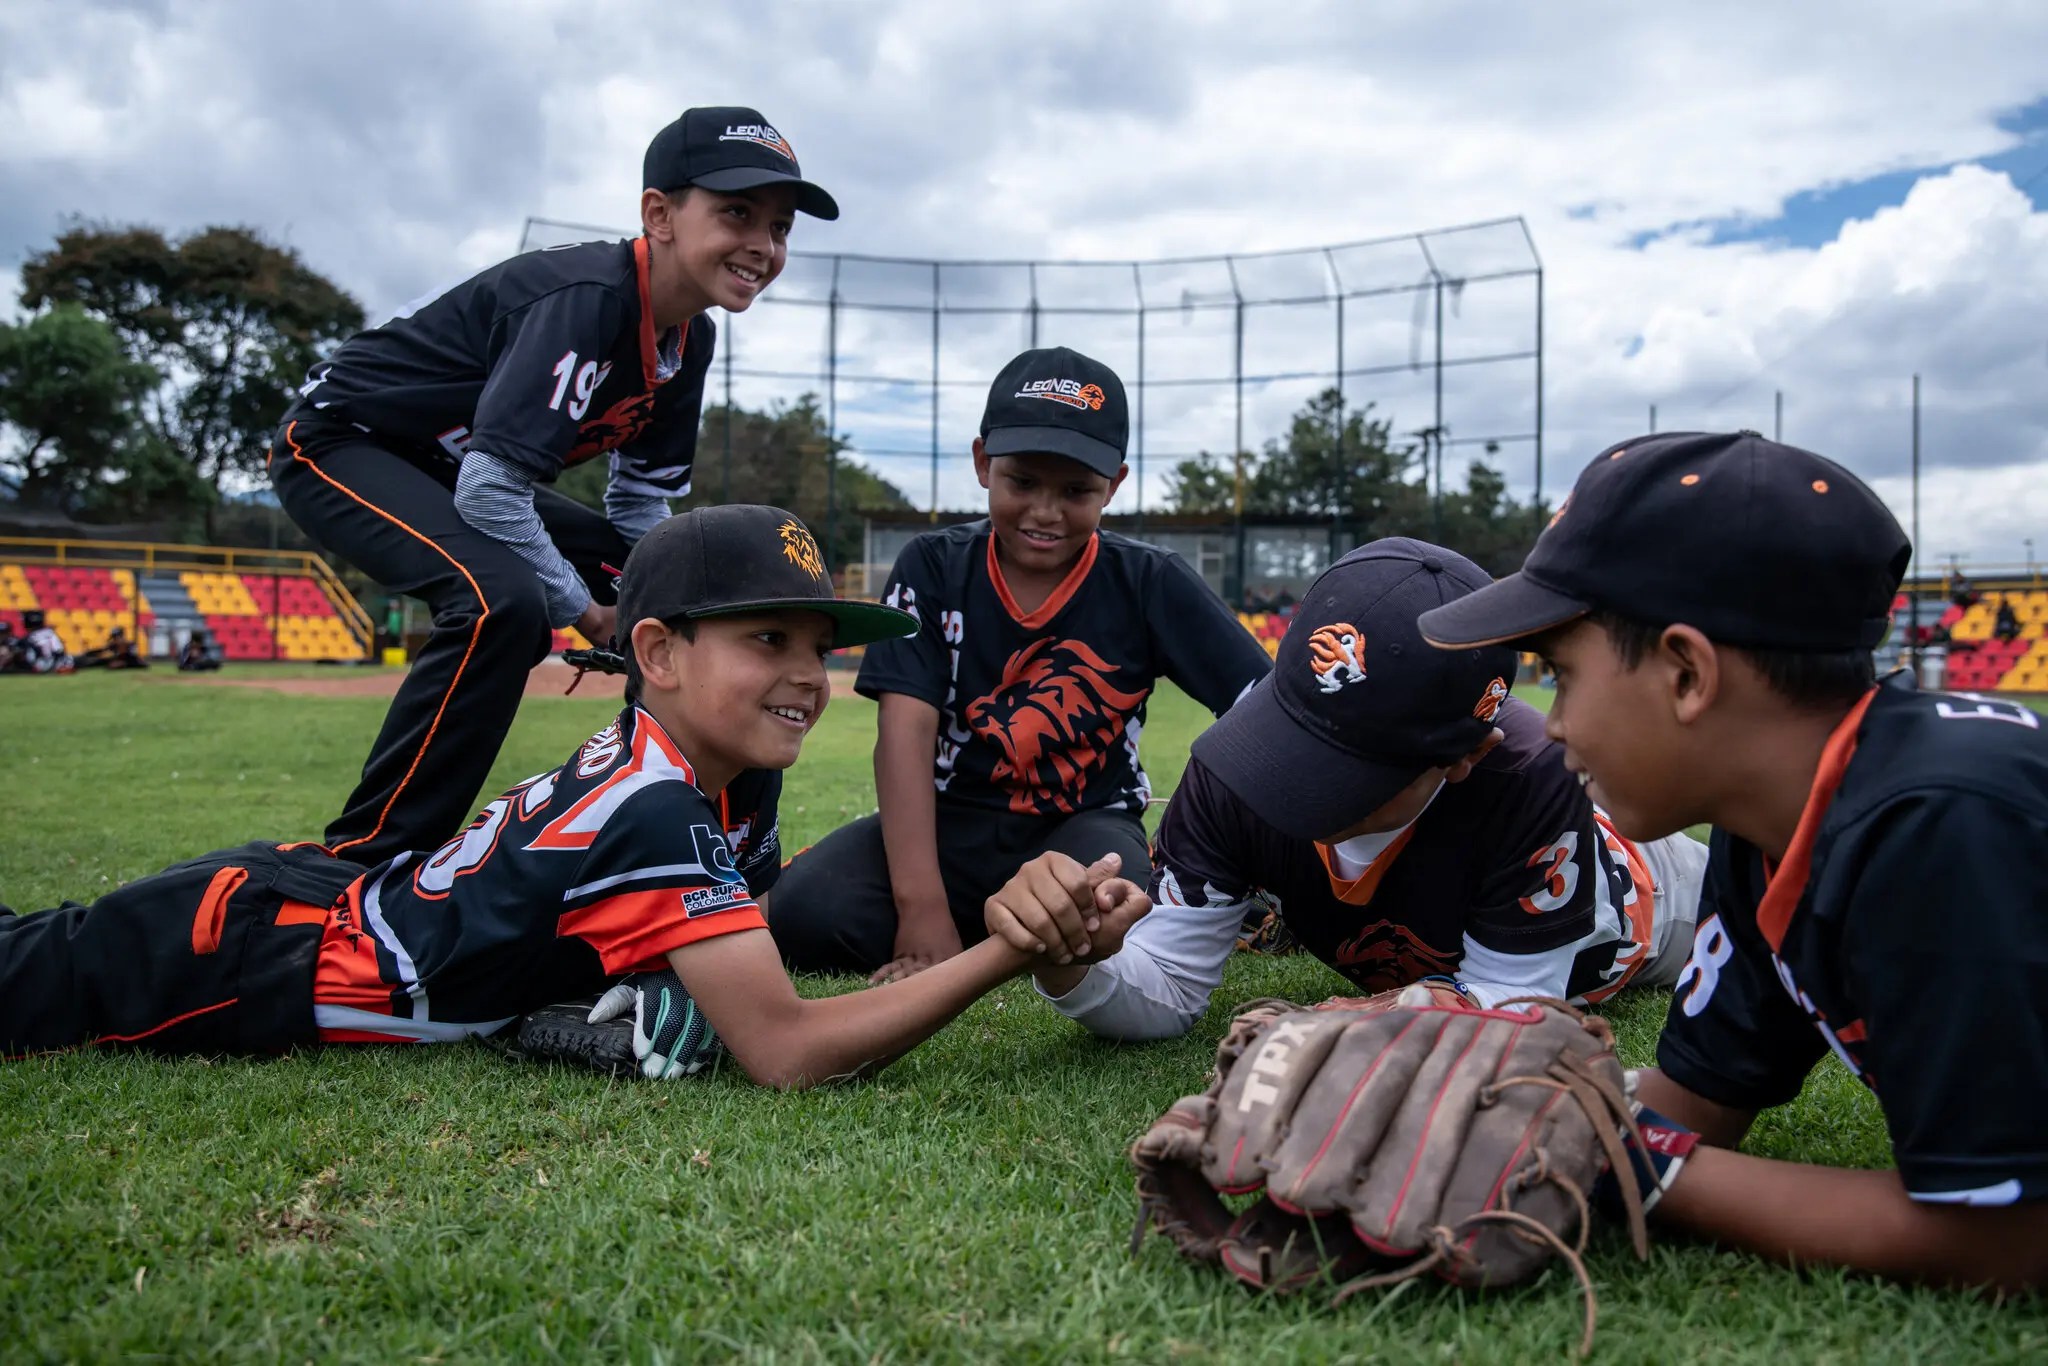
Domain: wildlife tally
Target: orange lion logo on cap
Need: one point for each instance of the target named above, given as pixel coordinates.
(1337, 654)
(1490, 700)
(800, 549)
(1091, 394)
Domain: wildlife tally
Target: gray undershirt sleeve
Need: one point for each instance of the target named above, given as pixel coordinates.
(497, 499)
(634, 514)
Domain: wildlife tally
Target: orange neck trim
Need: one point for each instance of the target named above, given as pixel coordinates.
(1054, 600)
(1788, 879)
(1357, 891)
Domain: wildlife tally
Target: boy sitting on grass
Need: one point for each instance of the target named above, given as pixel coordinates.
(1875, 885)
(1009, 722)
(648, 853)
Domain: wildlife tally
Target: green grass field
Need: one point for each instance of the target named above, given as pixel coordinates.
(442, 1204)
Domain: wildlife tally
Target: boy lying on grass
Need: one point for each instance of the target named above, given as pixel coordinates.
(649, 854)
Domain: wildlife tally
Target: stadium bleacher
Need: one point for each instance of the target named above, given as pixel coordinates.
(1266, 627)
(291, 616)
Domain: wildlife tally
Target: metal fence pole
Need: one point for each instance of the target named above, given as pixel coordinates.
(1913, 599)
(1138, 436)
(1032, 272)
(935, 391)
(1237, 441)
(832, 407)
(1539, 394)
(1337, 281)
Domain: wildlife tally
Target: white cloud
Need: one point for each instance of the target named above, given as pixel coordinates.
(399, 145)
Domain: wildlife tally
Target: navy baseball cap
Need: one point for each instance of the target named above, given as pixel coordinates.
(1753, 542)
(1358, 705)
(729, 148)
(1059, 401)
(737, 558)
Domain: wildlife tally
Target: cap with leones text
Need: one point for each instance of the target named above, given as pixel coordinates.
(727, 149)
(738, 558)
(1358, 705)
(1752, 542)
(1058, 401)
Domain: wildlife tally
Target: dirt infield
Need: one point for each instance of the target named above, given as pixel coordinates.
(549, 679)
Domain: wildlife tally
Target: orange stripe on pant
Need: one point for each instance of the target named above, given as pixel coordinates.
(475, 633)
(213, 909)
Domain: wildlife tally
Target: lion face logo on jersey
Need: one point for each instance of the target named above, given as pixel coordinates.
(1490, 700)
(800, 549)
(1337, 654)
(1383, 956)
(612, 428)
(1053, 719)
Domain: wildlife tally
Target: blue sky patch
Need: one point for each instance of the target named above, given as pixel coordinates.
(1813, 218)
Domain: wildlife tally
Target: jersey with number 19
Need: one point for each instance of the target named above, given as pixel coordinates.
(1906, 931)
(545, 361)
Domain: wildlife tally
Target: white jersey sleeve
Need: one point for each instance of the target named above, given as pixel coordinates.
(1159, 983)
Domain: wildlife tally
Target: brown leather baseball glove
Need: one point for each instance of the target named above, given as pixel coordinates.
(1393, 1135)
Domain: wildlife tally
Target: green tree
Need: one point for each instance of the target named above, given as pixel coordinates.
(779, 457)
(1335, 461)
(69, 395)
(229, 322)
(1341, 463)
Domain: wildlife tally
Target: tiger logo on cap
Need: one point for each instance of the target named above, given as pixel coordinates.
(1337, 654)
(1490, 700)
(800, 549)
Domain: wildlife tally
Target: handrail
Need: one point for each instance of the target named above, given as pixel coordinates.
(156, 557)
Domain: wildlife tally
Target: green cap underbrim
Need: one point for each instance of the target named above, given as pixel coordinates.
(858, 623)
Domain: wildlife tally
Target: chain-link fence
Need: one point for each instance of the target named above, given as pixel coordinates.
(1442, 330)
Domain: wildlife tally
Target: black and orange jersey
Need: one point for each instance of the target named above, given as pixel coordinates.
(1510, 863)
(597, 868)
(1040, 712)
(544, 361)
(1906, 930)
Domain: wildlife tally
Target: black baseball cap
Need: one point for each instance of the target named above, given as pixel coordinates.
(1059, 401)
(1753, 542)
(736, 558)
(1358, 705)
(729, 148)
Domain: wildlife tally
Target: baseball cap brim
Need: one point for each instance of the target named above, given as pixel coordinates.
(1501, 613)
(857, 623)
(1098, 456)
(810, 198)
(1294, 782)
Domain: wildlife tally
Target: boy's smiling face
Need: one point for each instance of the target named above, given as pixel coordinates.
(1043, 507)
(1619, 731)
(722, 249)
(743, 694)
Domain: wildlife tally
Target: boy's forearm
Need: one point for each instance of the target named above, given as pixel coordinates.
(848, 1036)
(909, 813)
(1864, 1220)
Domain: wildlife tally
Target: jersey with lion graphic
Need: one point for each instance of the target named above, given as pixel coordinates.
(1040, 712)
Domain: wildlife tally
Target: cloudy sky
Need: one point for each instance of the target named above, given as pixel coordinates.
(1819, 199)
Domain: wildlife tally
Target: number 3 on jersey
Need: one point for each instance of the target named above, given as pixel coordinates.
(586, 379)
(1560, 879)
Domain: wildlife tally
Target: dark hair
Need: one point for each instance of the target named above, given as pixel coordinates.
(685, 627)
(1805, 678)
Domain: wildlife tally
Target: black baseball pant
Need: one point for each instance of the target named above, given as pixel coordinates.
(391, 513)
(832, 909)
(215, 955)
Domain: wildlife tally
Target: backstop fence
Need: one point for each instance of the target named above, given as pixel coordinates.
(1442, 330)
